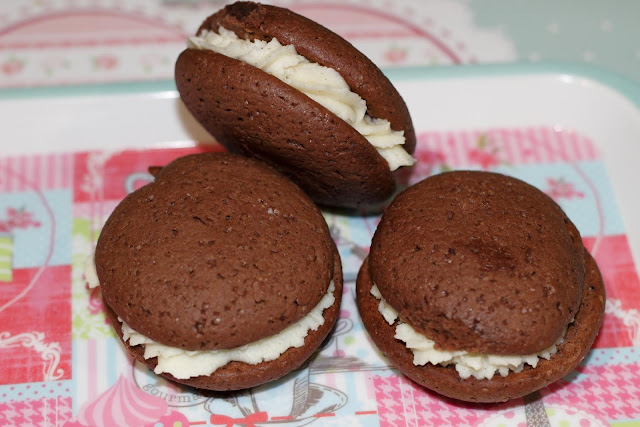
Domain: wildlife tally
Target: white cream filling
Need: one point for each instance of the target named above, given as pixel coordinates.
(480, 366)
(183, 364)
(322, 84)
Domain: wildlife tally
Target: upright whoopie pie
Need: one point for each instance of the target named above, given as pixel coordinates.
(479, 287)
(273, 84)
(221, 274)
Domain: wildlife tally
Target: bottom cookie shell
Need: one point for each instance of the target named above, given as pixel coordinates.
(445, 379)
(239, 375)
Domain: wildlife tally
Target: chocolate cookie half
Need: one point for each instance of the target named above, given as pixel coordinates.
(273, 84)
(220, 274)
(478, 287)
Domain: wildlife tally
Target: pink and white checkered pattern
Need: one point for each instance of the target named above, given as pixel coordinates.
(52, 412)
(609, 391)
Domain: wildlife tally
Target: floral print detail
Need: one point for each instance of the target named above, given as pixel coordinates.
(485, 154)
(89, 320)
(86, 327)
(396, 54)
(95, 305)
(561, 189)
(432, 159)
(105, 62)
(12, 66)
(150, 62)
(54, 63)
(485, 159)
(18, 219)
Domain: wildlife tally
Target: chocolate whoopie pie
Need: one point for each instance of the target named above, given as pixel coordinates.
(479, 287)
(221, 274)
(272, 84)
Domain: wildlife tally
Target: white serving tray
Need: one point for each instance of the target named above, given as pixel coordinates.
(599, 105)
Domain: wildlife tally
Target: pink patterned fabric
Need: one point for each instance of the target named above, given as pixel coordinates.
(51, 412)
(507, 146)
(403, 402)
(35, 339)
(123, 404)
(91, 168)
(35, 331)
(61, 42)
(609, 391)
(45, 172)
(621, 326)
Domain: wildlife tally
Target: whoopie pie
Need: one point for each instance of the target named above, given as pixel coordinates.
(221, 274)
(478, 287)
(272, 84)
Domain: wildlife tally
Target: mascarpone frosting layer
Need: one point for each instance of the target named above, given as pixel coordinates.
(184, 364)
(479, 366)
(322, 84)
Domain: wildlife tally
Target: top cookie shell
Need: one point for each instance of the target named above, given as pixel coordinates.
(219, 251)
(255, 113)
(318, 44)
(479, 261)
